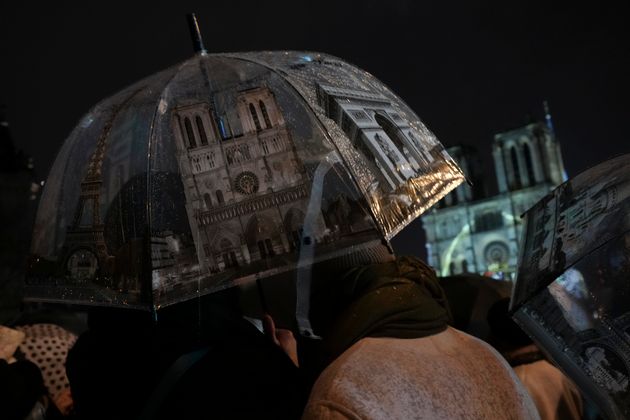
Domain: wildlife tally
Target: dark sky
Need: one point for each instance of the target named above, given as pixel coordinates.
(468, 69)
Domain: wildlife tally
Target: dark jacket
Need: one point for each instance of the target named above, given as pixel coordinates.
(118, 365)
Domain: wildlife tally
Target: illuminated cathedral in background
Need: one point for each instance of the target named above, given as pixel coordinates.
(470, 232)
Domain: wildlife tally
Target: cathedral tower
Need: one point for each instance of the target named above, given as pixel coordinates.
(527, 156)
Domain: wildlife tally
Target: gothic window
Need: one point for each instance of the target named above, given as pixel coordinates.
(246, 183)
(488, 220)
(222, 129)
(245, 150)
(220, 197)
(190, 133)
(210, 159)
(208, 201)
(202, 131)
(529, 164)
(516, 183)
(265, 146)
(252, 110)
(197, 165)
(238, 154)
(496, 252)
(263, 109)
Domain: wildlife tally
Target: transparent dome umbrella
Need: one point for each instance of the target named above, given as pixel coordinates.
(572, 293)
(228, 168)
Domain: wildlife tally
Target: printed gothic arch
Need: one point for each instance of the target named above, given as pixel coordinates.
(207, 200)
(263, 110)
(202, 131)
(190, 133)
(293, 226)
(228, 253)
(254, 114)
(262, 236)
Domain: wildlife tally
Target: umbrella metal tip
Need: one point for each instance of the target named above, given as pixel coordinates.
(195, 34)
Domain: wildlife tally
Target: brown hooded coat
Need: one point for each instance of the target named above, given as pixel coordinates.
(407, 364)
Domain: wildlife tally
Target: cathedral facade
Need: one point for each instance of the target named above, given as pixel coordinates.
(470, 232)
(246, 189)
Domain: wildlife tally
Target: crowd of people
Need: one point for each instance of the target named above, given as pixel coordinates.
(386, 345)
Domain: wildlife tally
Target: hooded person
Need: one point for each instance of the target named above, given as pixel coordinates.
(391, 354)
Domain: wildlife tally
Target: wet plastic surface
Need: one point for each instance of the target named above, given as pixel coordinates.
(225, 169)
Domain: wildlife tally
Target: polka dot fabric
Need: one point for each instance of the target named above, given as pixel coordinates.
(47, 346)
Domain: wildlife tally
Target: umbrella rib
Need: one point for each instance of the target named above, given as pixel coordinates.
(149, 150)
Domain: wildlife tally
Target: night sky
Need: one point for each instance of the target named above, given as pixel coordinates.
(468, 69)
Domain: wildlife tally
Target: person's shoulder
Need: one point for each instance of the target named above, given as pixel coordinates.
(473, 348)
(465, 342)
(321, 409)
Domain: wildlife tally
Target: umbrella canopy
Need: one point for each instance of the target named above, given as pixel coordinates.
(228, 168)
(572, 293)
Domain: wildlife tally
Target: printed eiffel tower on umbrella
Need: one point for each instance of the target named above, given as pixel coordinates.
(86, 254)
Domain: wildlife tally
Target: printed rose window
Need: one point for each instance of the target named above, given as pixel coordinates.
(246, 183)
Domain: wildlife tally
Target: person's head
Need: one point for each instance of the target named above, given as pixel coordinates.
(392, 297)
(21, 386)
(506, 335)
(318, 293)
